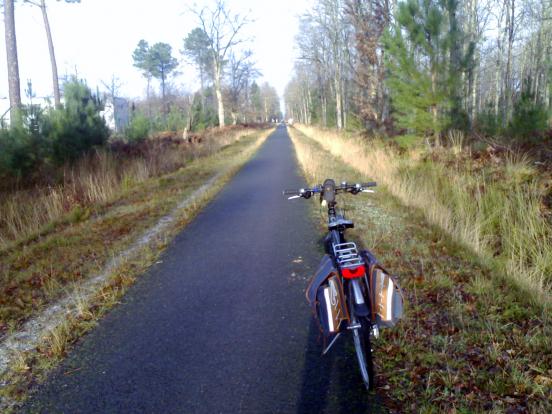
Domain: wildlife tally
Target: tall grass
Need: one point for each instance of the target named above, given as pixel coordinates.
(496, 213)
(98, 179)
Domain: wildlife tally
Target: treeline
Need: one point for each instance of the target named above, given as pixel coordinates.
(51, 137)
(425, 66)
(40, 139)
(228, 90)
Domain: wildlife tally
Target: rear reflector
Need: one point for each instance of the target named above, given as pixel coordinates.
(353, 272)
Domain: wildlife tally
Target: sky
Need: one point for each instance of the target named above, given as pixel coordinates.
(96, 38)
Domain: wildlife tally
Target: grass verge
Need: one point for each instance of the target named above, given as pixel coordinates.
(469, 342)
(99, 178)
(495, 210)
(64, 260)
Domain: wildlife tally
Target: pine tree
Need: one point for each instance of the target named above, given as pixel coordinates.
(415, 62)
(425, 63)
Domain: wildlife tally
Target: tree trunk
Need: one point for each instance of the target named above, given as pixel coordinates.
(474, 88)
(305, 111)
(164, 109)
(498, 72)
(434, 105)
(455, 69)
(324, 110)
(338, 99)
(55, 81)
(201, 90)
(148, 95)
(218, 92)
(508, 76)
(309, 105)
(13, 63)
(474, 70)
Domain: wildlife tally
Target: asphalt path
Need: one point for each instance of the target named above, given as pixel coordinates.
(220, 324)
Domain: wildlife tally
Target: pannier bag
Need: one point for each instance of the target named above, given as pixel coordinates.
(387, 299)
(325, 295)
(327, 300)
(386, 294)
(331, 306)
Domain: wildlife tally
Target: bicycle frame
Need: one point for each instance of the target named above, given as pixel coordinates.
(344, 261)
(337, 225)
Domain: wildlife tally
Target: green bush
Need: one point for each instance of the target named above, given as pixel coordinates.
(487, 122)
(202, 118)
(529, 117)
(54, 136)
(176, 120)
(22, 147)
(16, 155)
(409, 140)
(139, 128)
(76, 128)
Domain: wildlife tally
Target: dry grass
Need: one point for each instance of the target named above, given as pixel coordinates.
(49, 267)
(468, 342)
(38, 270)
(97, 180)
(497, 214)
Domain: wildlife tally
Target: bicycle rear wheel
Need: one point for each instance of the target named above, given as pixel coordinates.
(363, 348)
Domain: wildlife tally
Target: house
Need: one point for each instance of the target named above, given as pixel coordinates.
(116, 114)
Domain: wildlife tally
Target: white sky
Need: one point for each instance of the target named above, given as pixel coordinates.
(97, 37)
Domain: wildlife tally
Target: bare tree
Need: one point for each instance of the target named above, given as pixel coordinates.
(495, 51)
(369, 20)
(41, 4)
(315, 52)
(112, 86)
(329, 15)
(13, 62)
(222, 29)
(242, 72)
(196, 49)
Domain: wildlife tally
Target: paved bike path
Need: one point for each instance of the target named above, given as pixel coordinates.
(220, 325)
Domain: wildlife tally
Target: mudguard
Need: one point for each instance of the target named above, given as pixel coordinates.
(325, 270)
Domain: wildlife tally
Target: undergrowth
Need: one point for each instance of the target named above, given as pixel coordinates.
(98, 179)
(469, 341)
(38, 270)
(495, 211)
(66, 258)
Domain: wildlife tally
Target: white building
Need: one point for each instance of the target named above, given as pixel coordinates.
(116, 114)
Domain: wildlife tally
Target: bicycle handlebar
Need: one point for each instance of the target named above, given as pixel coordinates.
(343, 187)
(291, 192)
(369, 184)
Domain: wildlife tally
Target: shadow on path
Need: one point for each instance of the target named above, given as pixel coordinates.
(331, 383)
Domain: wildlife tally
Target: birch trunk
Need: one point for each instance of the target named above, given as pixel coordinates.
(13, 62)
(338, 102)
(498, 71)
(218, 93)
(508, 76)
(55, 81)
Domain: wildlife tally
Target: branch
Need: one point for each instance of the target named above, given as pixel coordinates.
(33, 3)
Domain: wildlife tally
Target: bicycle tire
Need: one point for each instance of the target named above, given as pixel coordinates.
(363, 350)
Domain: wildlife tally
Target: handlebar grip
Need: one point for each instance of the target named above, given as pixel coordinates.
(291, 192)
(369, 184)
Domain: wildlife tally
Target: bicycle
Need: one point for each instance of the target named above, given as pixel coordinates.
(350, 287)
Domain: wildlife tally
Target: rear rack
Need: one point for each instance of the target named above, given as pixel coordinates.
(347, 255)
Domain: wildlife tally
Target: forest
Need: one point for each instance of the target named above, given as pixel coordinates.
(447, 105)
(38, 141)
(425, 67)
